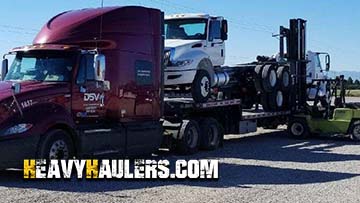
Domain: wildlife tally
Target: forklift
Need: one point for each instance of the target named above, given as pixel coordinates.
(323, 118)
(320, 115)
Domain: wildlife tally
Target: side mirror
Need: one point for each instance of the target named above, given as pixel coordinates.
(327, 62)
(106, 84)
(99, 67)
(224, 30)
(4, 68)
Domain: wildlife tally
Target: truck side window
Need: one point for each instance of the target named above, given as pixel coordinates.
(86, 71)
(215, 30)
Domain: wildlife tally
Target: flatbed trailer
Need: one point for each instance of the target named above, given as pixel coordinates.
(222, 116)
(189, 125)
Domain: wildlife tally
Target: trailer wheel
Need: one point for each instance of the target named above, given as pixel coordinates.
(56, 144)
(200, 88)
(211, 134)
(283, 75)
(269, 78)
(258, 78)
(298, 128)
(188, 137)
(355, 131)
(272, 101)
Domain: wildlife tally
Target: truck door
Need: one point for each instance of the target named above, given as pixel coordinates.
(99, 135)
(216, 46)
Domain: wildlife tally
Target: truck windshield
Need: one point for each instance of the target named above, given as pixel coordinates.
(188, 29)
(50, 66)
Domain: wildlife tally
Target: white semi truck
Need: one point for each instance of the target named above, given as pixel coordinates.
(195, 55)
(194, 46)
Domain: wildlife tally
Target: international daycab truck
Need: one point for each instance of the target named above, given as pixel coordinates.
(97, 82)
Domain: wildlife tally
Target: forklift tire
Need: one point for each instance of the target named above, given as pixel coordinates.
(298, 128)
(201, 86)
(56, 144)
(355, 131)
(258, 71)
(188, 141)
(211, 134)
(283, 76)
(269, 78)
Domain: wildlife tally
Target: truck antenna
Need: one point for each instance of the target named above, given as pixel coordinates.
(101, 24)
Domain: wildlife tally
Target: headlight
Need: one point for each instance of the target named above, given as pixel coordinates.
(182, 63)
(17, 129)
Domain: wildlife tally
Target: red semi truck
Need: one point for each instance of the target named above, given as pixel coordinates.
(85, 90)
(91, 84)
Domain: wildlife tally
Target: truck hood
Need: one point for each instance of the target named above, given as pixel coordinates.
(27, 87)
(174, 43)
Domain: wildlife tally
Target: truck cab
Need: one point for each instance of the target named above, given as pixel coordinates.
(89, 85)
(316, 69)
(194, 45)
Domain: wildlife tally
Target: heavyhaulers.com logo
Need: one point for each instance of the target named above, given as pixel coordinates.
(120, 169)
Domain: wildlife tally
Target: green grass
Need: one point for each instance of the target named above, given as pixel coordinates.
(352, 93)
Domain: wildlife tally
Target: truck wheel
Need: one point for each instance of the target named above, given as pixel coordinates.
(272, 101)
(258, 78)
(265, 102)
(355, 131)
(56, 144)
(269, 78)
(189, 137)
(283, 75)
(200, 88)
(298, 128)
(211, 134)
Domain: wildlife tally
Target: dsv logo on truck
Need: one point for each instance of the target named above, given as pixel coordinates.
(93, 97)
(120, 169)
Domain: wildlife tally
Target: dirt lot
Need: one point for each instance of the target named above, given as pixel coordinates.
(266, 167)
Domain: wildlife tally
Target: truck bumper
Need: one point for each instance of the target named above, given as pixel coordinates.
(179, 77)
(14, 151)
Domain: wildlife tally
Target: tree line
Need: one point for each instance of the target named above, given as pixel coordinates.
(352, 84)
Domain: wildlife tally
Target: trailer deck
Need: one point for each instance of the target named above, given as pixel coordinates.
(183, 105)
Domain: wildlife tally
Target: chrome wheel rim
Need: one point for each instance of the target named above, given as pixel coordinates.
(279, 98)
(59, 150)
(272, 78)
(205, 86)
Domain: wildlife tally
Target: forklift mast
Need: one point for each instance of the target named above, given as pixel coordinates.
(295, 38)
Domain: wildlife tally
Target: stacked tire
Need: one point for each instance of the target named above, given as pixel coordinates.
(273, 83)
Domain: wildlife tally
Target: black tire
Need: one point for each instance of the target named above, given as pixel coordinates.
(258, 78)
(189, 135)
(283, 76)
(56, 144)
(265, 102)
(211, 134)
(286, 101)
(272, 101)
(354, 131)
(269, 78)
(298, 128)
(201, 86)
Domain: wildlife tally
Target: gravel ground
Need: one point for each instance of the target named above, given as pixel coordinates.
(266, 167)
